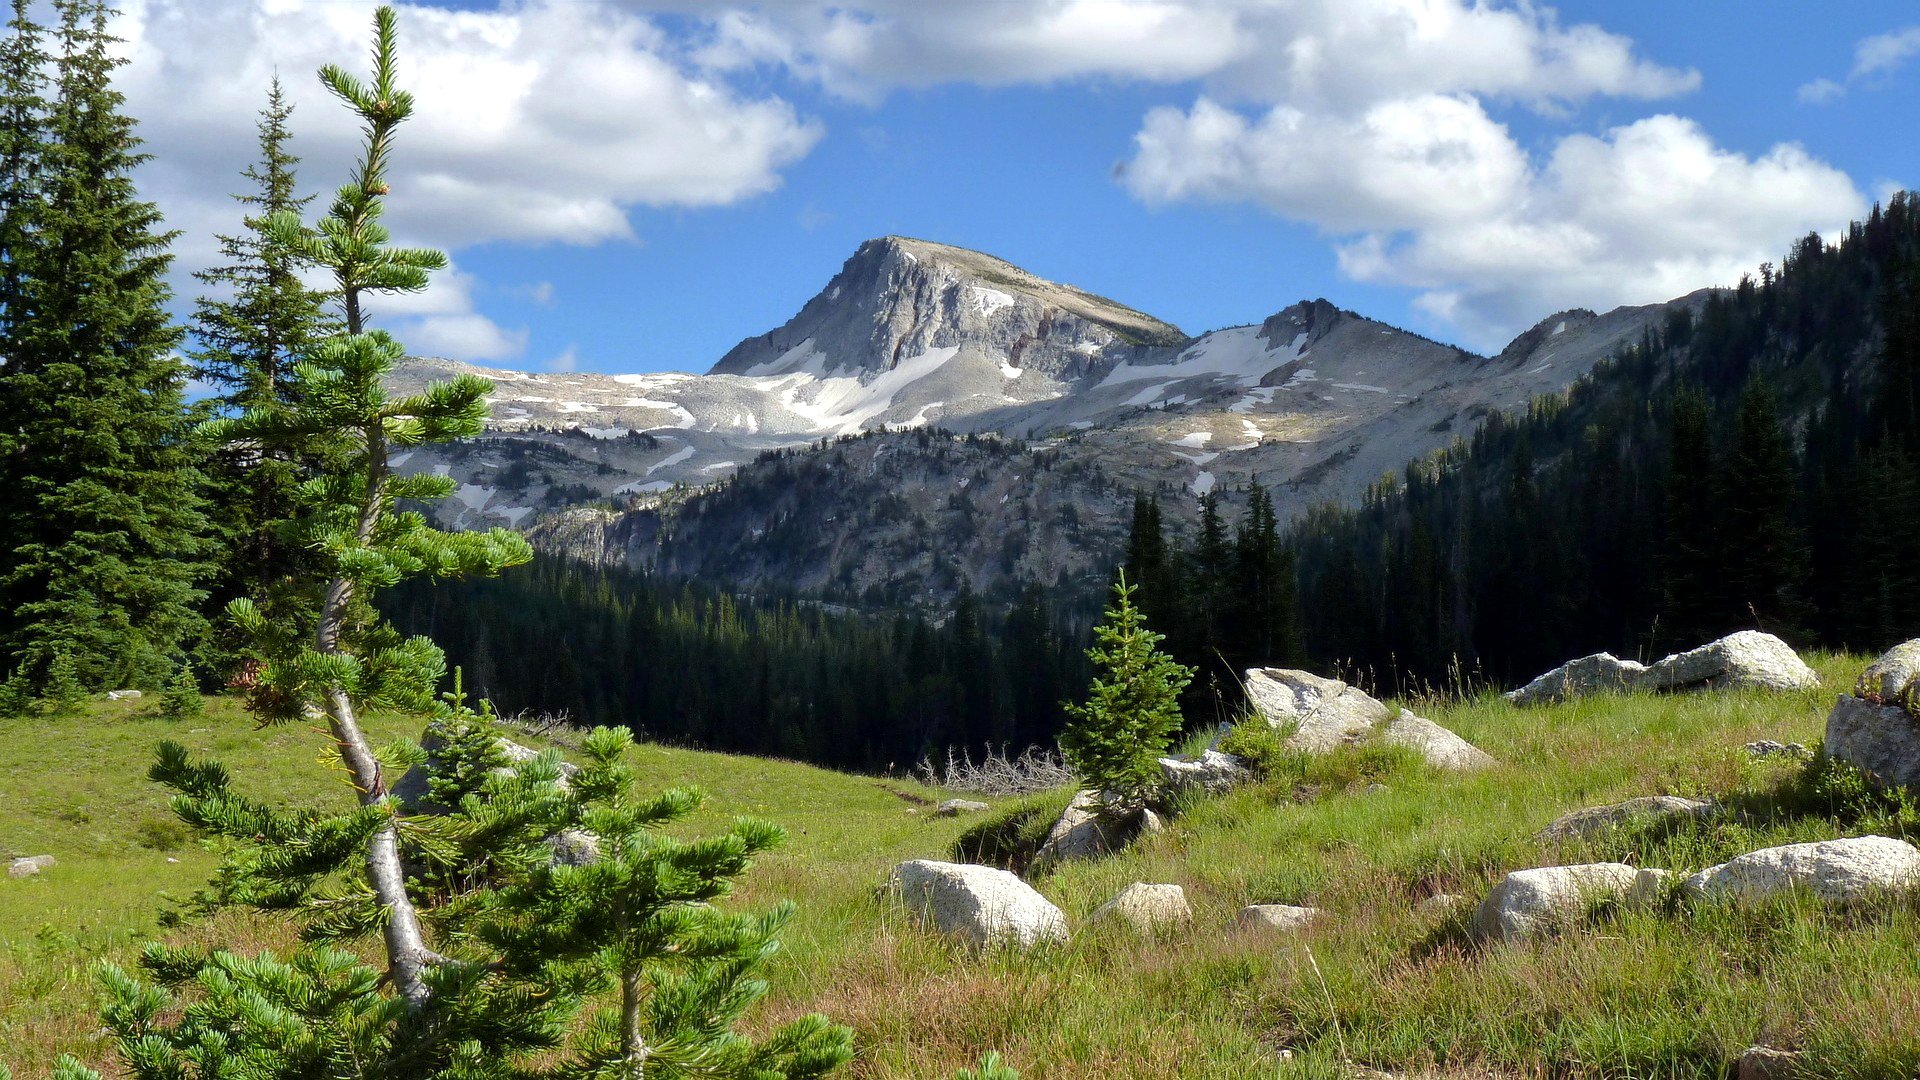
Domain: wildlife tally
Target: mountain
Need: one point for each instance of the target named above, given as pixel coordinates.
(930, 391)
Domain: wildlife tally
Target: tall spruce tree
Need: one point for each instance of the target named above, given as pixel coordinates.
(1132, 709)
(105, 527)
(1763, 551)
(1692, 605)
(23, 134)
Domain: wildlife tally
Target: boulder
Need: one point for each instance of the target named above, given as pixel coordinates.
(1883, 740)
(1151, 823)
(124, 695)
(1530, 902)
(1597, 819)
(573, 847)
(1650, 888)
(1083, 831)
(978, 904)
(1327, 714)
(1748, 660)
(1212, 772)
(1146, 907)
(1891, 678)
(1839, 871)
(1594, 674)
(29, 865)
(956, 807)
(1276, 917)
(1441, 748)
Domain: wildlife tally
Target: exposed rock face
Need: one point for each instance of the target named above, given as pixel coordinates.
(1839, 871)
(1748, 660)
(1597, 819)
(1594, 674)
(956, 807)
(1276, 917)
(1530, 902)
(1146, 907)
(1890, 679)
(29, 865)
(1883, 740)
(1327, 714)
(978, 904)
(1083, 832)
(1212, 772)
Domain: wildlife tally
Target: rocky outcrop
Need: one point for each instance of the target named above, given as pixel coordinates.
(1748, 660)
(1212, 772)
(1891, 679)
(981, 905)
(1839, 871)
(1882, 740)
(1598, 819)
(1326, 714)
(1527, 903)
(1276, 917)
(1086, 830)
(1767, 1063)
(1146, 907)
(123, 695)
(29, 865)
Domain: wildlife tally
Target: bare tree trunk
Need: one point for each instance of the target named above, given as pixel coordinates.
(632, 1045)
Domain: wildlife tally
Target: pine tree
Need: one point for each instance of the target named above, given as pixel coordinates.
(1132, 709)
(105, 524)
(1763, 552)
(23, 135)
(1692, 608)
(181, 699)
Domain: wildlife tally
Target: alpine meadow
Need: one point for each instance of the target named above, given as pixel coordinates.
(522, 560)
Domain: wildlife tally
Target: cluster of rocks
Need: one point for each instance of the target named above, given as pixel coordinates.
(29, 865)
(1873, 727)
(1749, 659)
(1327, 714)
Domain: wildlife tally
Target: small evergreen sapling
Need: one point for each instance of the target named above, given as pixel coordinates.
(181, 699)
(62, 694)
(1132, 710)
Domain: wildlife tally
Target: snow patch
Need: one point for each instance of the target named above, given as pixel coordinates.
(1200, 458)
(513, 514)
(473, 496)
(1010, 371)
(643, 487)
(1360, 386)
(1194, 440)
(846, 404)
(987, 301)
(1560, 329)
(1202, 483)
(1238, 353)
(682, 418)
(674, 458)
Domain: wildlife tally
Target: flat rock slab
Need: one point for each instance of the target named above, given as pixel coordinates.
(1146, 907)
(1882, 740)
(956, 807)
(1327, 714)
(1598, 819)
(1838, 871)
(1441, 748)
(1527, 903)
(1277, 917)
(981, 905)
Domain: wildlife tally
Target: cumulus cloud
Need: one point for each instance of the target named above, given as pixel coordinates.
(1883, 53)
(445, 320)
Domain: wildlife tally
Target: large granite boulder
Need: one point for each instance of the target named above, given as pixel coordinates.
(1146, 907)
(1527, 903)
(1882, 740)
(1839, 871)
(1087, 828)
(1748, 660)
(1597, 819)
(1213, 772)
(1588, 675)
(978, 904)
(1893, 677)
(1326, 714)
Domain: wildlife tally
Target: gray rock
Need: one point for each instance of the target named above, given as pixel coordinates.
(1748, 660)
(1838, 871)
(29, 865)
(956, 807)
(1650, 887)
(1083, 832)
(1594, 674)
(1276, 917)
(978, 904)
(1883, 740)
(1769, 748)
(1441, 748)
(1151, 823)
(124, 695)
(1890, 679)
(1212, 772)
(1767, 1063)
(574, 847)
(1146, 907)
(1530, 902)
(1597, 819)
(1327, 714)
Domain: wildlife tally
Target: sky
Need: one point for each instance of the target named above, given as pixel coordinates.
(636, 186)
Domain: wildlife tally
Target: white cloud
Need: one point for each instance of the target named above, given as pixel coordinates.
(1882, 53)
(1821, 92)
(568, 360)
(445, 320)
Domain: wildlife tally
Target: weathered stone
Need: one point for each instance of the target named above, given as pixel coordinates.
(1212, 772)
(1748, 660)
(956, 807)
(574, 847)
(1441, 748)
(978, 904)
(1767, 1063)
(1883, 740)
(29, 865)
(1146, 907)
(1769, 748)
(1838, 871)
(1888, 680)
(124, 695)
(1594, 674)
(1280, 917)
(1597, 819)
(1530, 902)
(1083, 831)
(1151, 823)
(1650, 887)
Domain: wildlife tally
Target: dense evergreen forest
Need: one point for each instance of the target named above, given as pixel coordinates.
(686, 663)
(1752, 467)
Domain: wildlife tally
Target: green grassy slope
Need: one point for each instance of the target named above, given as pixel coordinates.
(1363, 835)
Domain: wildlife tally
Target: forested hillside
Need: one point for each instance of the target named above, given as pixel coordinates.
(1753, 466)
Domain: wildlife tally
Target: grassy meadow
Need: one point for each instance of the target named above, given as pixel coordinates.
(1365, 835)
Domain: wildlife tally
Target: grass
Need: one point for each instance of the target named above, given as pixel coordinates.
(1364, 835)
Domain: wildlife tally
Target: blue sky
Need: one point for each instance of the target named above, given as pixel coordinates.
(1643, 150)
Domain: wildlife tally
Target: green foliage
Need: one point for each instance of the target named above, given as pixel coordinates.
(1258, 744)
(181, 699)
(16, 695)
(61, 692)
(1010, 836)
(1132, 709)
(990, 1068)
